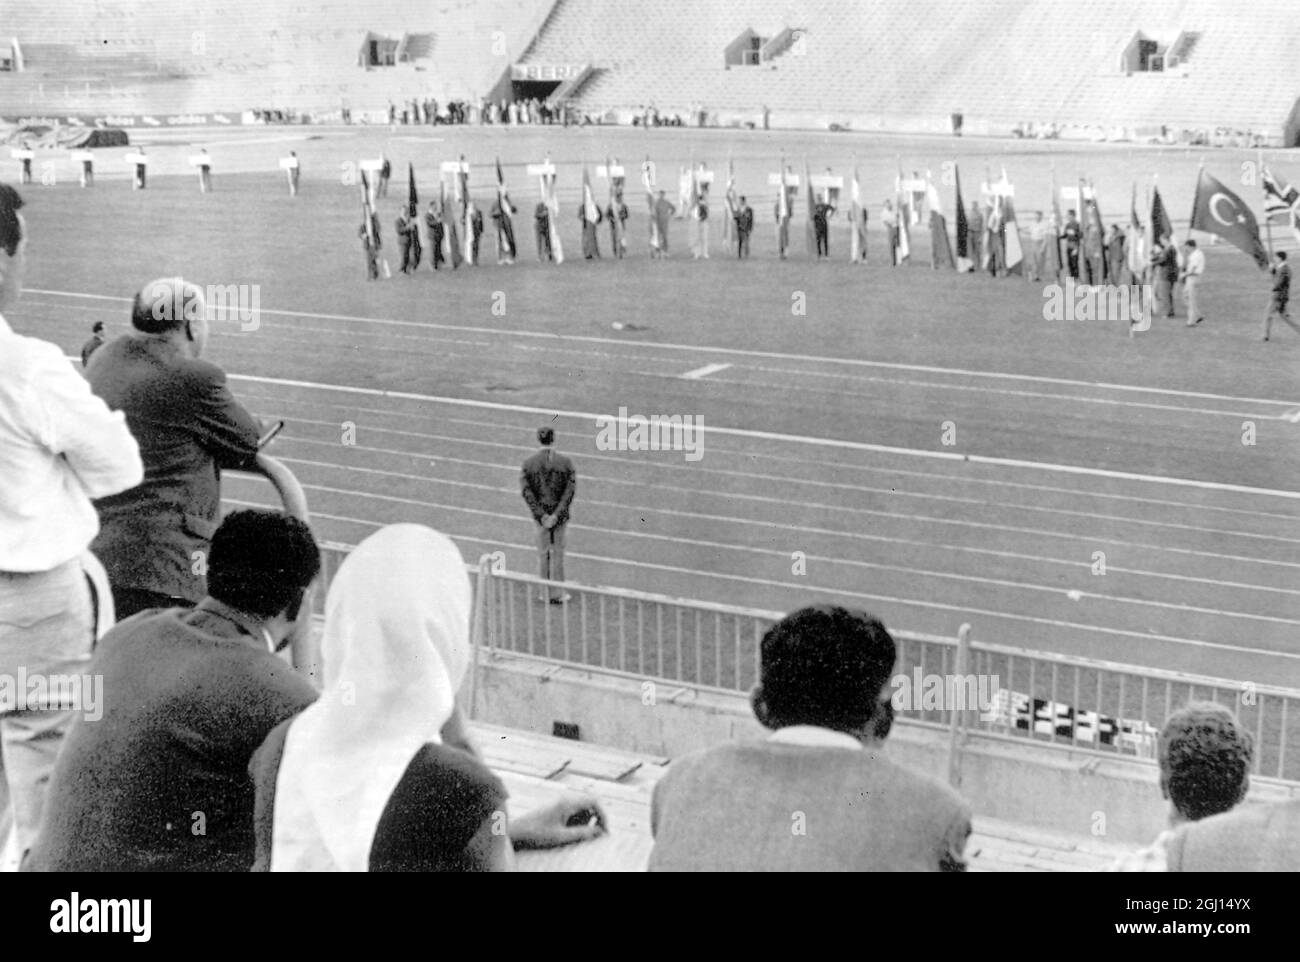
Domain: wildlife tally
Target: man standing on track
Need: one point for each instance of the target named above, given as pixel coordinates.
(548, 482)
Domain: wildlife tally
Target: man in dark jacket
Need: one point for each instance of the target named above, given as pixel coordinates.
(154, 538)
(548, 481)
(433, 220)
(408, 239)
(159, 781)
(744, 227)
(1280, 295)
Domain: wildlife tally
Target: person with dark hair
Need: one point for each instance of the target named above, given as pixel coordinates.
(542, 228)
(60, 446)
(378, 774)
(1281, 294)
(548, 482)
(1204, 754)
(817, 794)
(154, 538)
(95, 342)
(160, 781)
(433, 222)
(744, 227)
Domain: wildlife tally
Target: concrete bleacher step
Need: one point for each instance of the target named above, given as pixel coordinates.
(513, 748)
(998, 846)
(539, 769)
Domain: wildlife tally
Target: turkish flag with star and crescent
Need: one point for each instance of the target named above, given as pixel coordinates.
(1218, 210)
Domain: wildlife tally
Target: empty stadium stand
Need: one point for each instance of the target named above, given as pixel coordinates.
(116, 56)
(910, 66)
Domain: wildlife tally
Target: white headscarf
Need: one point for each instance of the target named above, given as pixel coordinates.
(395, 649)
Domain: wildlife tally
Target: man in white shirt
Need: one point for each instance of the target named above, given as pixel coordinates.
(1193, 269)
(60, 446)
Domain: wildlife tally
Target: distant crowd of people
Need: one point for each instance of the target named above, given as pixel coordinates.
(528, 111)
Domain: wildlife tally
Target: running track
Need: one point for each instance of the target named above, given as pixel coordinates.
(1000, 529)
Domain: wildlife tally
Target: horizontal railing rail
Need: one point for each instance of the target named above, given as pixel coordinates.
(965, 688)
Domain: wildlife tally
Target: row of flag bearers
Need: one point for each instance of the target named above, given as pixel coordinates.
(138, 162)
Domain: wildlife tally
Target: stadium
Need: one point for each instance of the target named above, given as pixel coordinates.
(1080, 521)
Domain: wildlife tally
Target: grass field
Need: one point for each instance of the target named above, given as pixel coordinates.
(824, 433)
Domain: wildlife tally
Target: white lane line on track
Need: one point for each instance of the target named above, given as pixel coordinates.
(784, 479)
(717, 545)
(623, 507)
(597, 419)
(642, 566)
(737, 352)
(702, 372)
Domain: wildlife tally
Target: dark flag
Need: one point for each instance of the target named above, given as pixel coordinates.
(940, 248)
(503, 202)
(1217, 210)
(964, 262)
(413, 205)
(1161, 225)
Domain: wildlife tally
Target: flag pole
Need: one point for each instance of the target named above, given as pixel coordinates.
(1268, 221)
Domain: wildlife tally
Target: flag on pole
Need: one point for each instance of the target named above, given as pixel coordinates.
(648, 181)
(810, 198)
(964, 263)
(728, 225)
(903, 243)
(1281, 202)
(1217, 210)
(940, 246)
(1013, 250)
(589, 208)
(1054, 262)
(367, 212)
(1137, 250)
(413, 208)
(466, 211)
(1161, 226)
(503, 202)
(450, 238)
(858, 228)
(783, 202)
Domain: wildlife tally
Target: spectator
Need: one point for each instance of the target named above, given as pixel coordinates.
(817, 794)
(95, 343)
(60, 446)
(1204, 755)
(378, 775)
(160, 782)
(1251, 838)
(154, 538)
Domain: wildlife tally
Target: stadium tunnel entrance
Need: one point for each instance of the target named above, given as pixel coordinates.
(528, 89)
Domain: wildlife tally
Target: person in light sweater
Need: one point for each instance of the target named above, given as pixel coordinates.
(819, 794)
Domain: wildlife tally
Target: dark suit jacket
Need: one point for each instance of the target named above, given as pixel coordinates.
(188, 427)
(548, 483)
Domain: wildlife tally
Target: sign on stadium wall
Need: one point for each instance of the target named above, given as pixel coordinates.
(546, 71)
(121, 120)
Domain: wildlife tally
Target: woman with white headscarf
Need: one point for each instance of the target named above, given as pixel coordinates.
(375, 774)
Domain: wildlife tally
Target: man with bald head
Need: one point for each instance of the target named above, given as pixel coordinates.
(154, 538)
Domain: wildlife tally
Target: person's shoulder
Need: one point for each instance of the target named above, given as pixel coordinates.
(199, 373)
(564, 461)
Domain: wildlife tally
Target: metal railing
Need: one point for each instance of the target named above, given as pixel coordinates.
(981, 691)
(969, 689)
